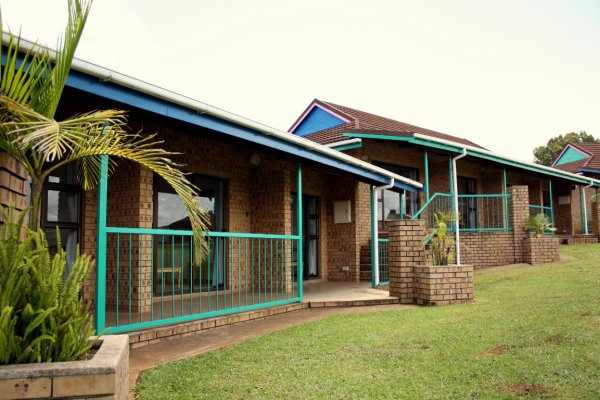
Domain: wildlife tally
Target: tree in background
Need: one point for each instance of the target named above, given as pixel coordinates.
(544, 155)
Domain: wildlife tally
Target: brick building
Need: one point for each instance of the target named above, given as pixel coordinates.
(583, 159)
(282, 210)
(483, 181)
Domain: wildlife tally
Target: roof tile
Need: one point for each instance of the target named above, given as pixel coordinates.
(367, 122)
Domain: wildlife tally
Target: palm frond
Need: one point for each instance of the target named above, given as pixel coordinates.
(53, 140)
(23, 72)
(144, 150)
(45, 101)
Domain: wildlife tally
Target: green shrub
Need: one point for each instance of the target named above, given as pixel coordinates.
(42, 317)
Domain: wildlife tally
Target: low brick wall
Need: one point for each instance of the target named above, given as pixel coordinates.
(488, 249)
(540, 250)
(171, 332)
(443, 285)
(105, 376)
(578, 239)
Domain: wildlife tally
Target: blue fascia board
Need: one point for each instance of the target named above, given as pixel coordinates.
(131, 97)
(458, 149)
(591, 170)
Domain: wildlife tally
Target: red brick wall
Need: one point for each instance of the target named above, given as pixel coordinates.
(540, 250)
(488, 249)
(13, 183)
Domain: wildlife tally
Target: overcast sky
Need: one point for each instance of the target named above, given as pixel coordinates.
(507, 74)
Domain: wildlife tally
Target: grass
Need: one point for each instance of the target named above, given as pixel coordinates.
(533, 332)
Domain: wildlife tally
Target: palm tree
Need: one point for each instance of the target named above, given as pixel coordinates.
(31, 86)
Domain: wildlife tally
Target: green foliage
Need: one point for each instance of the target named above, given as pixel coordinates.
(42, 317)
(441, 244)
(539, 224)
(545, 155)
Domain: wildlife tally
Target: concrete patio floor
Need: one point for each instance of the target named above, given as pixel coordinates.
(342, 292)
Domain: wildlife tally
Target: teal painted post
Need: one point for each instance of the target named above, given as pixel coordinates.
(373, 227)
(300, 233)
(551, 201)
(426, 164)
(505, 202)
(99, 315)
(582, 209)
(451, 186)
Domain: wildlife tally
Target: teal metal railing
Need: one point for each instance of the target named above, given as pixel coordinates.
(589, 222)
(152, 279)
(384, 264)
(477, 212)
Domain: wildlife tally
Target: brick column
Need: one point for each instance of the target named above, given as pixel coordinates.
(596, 218)
(405, 251)
(518, 211)
(13, 178)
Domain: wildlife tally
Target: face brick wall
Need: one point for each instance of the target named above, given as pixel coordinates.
(13, 183)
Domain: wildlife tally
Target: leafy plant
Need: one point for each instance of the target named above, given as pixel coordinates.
(539, 224)
(42, 317)
(441, 244)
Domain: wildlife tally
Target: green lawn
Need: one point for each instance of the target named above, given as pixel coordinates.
(533, 331)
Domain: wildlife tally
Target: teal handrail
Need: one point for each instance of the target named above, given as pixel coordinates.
(478, 212)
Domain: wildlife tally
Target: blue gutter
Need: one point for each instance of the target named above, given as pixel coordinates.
(146, 102)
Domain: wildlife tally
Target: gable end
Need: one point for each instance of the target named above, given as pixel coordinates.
(316, 120)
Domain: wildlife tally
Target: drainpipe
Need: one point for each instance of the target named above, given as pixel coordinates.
(455, 184)
(375, 255)
(585, 221)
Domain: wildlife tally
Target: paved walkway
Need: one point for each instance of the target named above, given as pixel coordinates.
(151, 356)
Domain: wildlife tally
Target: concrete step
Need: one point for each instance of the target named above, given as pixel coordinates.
(353, 303)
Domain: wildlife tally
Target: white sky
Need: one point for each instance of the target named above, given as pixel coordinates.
(507, 74)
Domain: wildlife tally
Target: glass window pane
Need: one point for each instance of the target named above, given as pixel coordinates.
(172, 214)
(391, 205)
(64, 175)
(62, 206)
(312, 227)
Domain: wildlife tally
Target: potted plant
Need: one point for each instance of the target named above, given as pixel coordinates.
(441, 245)
(542, 247)
(539, 225)
(46, 345)
(442, 283)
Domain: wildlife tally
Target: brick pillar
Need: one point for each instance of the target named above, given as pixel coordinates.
(518, 211)
(405, 251)
(596, 218)
(13, 178)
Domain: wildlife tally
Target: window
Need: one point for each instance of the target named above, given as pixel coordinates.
(61, 207)
(467, 207)
(172, 253)
(393, 205)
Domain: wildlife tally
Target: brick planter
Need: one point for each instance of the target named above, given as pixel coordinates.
(443, 285)
(540, 250)
(105, 376)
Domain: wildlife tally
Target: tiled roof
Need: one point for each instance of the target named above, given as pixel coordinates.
(572, 167)
(364, 122)
(591, 148)
(592, 162)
